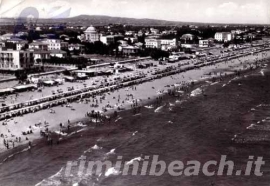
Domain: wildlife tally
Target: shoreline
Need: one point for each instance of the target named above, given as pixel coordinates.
(89, 125)
(83, 118)
(140, 133)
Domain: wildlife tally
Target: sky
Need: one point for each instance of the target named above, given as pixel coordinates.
(209, 11)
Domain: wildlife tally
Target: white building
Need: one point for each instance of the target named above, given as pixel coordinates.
(6, 36)
(91, 34)
(130, 33)
(72, 47)
(41, 54)
(15, 60)
(168, 44)
(152, 43)
(237, 31)
(132, 39)
(223, 36)
(123, 42)
(154, 31)
(107, 39)
(55, 44)
(38, 46)
(58, 53)
(204, 43)
(129, 50)
(163, 44)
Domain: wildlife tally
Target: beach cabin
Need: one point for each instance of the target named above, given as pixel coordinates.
(48, 83)
(82, 76)
(22, 88)
(6, 91)
(69, 78)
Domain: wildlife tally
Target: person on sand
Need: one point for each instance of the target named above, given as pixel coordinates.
(29, 145)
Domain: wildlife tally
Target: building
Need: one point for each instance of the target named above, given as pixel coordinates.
(130, 33)
(110, 39)
(237, 31)
(188, 38)
(76, 47)
(107, 39)
(223, 36)
(6, 36)
(16, 60)
(140, 33)
(38, 46)
(123, 42)
(154, 31)
(204, 43)
(163, 44)
(41, 55)
(58, 53)
(91, 34)
(129, 50)
(152, 43)
(168, 44)
(16, 44)
(132, 39)
(55, 44)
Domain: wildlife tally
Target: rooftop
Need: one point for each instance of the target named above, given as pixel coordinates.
(91, 29)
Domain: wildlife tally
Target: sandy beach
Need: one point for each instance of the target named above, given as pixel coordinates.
(184, 135)
(125, 131)
(49, 118)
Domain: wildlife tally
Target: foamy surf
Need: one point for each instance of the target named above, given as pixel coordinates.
(96, 147)
(117, 119)
(159, 109)
(149, 107)
(251, 126)
(111, 152)
(61, 133)
(133, 160)
(80, 124)
(262, 73)
(196, 92)
(112, 171)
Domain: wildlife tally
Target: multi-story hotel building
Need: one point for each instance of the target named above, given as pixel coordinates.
(16, 60)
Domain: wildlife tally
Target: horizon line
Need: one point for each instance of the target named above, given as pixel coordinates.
(153, 19)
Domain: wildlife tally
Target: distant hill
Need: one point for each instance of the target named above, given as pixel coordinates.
(105, 20)
(97, 20)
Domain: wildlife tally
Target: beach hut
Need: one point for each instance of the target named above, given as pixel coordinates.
(6, 91)
(69, 78)
(22, 88)
(49, 83)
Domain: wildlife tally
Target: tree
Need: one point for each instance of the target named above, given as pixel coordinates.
(38, 60)
(226, 44)
(21, 75)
